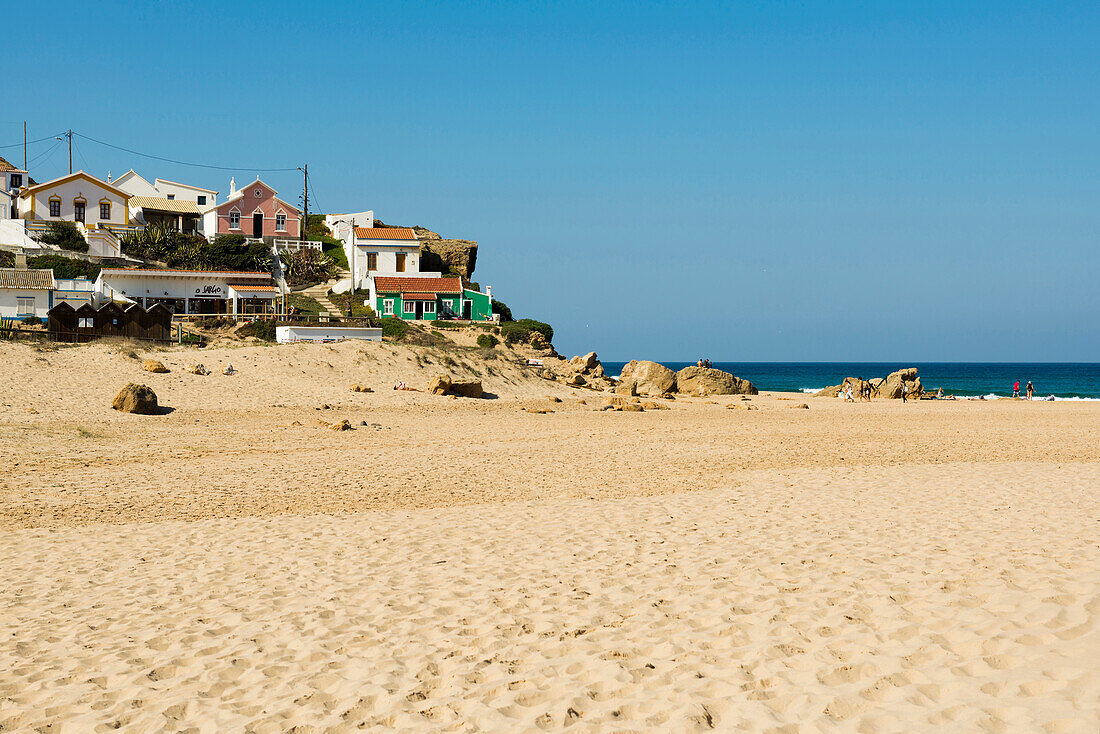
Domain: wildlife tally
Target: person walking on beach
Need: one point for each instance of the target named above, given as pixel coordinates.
(1030, 390)
(904, 392)
(848, 392)
(865, 389)
(1016, 389)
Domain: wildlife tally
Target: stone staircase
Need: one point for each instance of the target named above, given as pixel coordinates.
(320, 291)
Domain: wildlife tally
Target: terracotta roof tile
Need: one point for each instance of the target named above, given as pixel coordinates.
(5, 166)
(389, 284)
(34, 279)
(385, 233)
(418, 296)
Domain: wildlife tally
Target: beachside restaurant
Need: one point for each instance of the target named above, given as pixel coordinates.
(192, 292)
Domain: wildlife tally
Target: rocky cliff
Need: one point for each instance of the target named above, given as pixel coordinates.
(438, 253)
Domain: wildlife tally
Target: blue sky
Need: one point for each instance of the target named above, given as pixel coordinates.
(744, 181)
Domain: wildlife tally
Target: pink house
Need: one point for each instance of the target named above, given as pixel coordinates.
(253, 211)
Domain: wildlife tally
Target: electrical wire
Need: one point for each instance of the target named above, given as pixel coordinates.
(44, 155)
(31, 142)
(309, 182)
(185, 163)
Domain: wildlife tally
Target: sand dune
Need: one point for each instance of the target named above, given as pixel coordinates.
(469, 567)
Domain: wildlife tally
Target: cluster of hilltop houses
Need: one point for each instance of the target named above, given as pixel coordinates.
(384, 261)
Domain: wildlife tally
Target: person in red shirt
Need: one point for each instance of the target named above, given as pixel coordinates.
(1016, 389)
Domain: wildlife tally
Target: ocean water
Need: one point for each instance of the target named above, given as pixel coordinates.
(1063, 380)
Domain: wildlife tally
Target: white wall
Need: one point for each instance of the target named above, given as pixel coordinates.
(134, 185)
(68, 191)
(9, 307)
(134, 286)
(183, 192)
(387, 258)
(288, 334)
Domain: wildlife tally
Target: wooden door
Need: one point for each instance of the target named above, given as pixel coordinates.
(400, 262)
(257, 225)
(78, 211)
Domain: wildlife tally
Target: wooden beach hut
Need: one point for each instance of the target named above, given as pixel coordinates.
(61, 323)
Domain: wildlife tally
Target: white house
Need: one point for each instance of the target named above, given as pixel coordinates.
(25, 293)
(179, 206)
(79, 197)
(209, 293)
(341, 225)
(11, 180)
(383, 251)
(136, 185)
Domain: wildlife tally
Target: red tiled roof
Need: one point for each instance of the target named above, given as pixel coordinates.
(384, 233)
(418, 296)
(5, 166)
(172, 271)
(388, 284)
(29, 279)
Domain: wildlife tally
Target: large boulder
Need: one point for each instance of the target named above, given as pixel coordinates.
(891, 388)
(467, 388)
(154, 365)
(888, 388)
(649, 377)
(136, 398)
(586, 362)
(709, 381)
(444, 385)
(440, 385)
(625, 387)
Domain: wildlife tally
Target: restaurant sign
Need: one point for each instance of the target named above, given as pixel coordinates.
(210, 291)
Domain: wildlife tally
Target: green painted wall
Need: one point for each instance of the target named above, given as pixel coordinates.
(481, 306)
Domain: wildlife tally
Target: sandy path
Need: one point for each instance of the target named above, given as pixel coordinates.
(906, 598)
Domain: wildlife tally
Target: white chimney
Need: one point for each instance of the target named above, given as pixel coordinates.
(108, 177)
(489, 291)
(232, 186)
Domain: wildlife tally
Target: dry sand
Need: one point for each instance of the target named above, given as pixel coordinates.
(461, 565)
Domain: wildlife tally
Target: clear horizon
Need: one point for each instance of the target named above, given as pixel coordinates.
(763, 184)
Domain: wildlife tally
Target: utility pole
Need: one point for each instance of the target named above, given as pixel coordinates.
(25, 147)
(305, 202)
(69, 135)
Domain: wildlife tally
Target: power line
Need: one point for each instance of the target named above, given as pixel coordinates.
(44, 155)
(31, 142)
(185, 163)
(314, 190)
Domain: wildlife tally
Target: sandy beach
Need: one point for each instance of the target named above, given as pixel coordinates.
(465, 565)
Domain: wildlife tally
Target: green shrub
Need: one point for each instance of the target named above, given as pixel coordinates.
(334, 248)
(264, 330)
(487, 341)
(355, 300)
(32, 321)
(306, 304)
(229, 240)
(65, 235)
(545, 329)
(65, 267)
(7, 259)
(501, 308)
(394, 328)
(305, 267)
(514, 333)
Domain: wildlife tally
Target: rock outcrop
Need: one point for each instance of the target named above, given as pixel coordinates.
(136, 398)
(197, 369)
(889, 388)
(444, 385)
(439, 254)
(709, 381)
(154, 365)
(650, 378)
